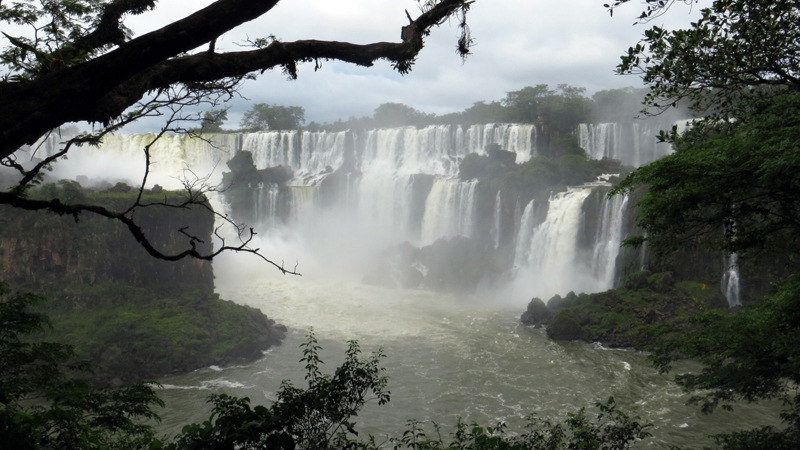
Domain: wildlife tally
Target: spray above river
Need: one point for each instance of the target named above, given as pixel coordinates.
(353, 196)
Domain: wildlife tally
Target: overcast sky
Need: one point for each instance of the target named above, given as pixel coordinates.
(518, 43)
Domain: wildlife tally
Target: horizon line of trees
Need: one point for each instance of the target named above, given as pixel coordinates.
(556, 111)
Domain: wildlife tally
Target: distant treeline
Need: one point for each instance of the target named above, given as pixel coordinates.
(555, 112)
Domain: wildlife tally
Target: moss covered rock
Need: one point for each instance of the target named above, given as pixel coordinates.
(565, 327)
(536, 313)
(649, 309)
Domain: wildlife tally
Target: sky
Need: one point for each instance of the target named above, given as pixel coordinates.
(518, 43)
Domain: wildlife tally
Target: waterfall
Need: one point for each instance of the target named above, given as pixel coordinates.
(265, 205)
(495, 231)
(633, 143)
(608, 241)
(449, 209)
(523, 244)
(399, 185)
(730, 279)
(548, 259)
(553, 246)
(174, 155)
(302, 203)
(599, 140)
(516, 138)
(384, 204)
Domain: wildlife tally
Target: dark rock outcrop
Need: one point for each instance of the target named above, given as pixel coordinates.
(565, 327)
(628, 316)
(537, 313)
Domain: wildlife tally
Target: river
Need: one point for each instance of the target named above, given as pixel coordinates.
(447, 357)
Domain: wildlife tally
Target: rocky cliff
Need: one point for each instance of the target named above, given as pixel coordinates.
(136, 317)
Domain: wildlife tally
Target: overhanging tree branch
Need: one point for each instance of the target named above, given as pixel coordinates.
(100, 89)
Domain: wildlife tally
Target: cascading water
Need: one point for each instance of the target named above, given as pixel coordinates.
(449, 209)
(731, 285)
(265, 201)
(549, 259)
(447, 357)
(523, 243)
(552, 258)
(607, 243)
(495, 231)
(634, 143)
(519, 139)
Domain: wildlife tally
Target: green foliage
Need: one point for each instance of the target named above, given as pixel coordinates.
(67, 191)
(524, 104)
(731, 186)
(212, 121)
(495, 163)
(739, 177)
(132, 333)
(480, 112)
(318, 417)
(564, 326)
(618, 105)
(392, 115)
(749, 355)
(566, 145)
(59, 26)
(739, 49)
(242, 167)
(611, 429)
(42, 406)
(540, 175)
(472, 166)
(648, 310)
(536, 312)
(263, 116)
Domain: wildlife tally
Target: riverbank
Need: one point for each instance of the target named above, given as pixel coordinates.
(648, 309)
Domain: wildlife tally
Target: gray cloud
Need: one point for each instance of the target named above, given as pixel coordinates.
(519, 43)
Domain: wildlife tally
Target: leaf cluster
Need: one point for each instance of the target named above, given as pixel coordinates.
(263, 116)
(42, 404)
(737, 50)
(318, 417)
(611, 428)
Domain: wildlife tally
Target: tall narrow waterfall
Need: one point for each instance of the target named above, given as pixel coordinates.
(731, 286)
(495, 230)
(523, 244)
(608, 241)
(266, 205)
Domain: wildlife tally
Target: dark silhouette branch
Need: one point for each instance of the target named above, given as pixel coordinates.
(101, 89)
(195, 188)
(75, 210)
